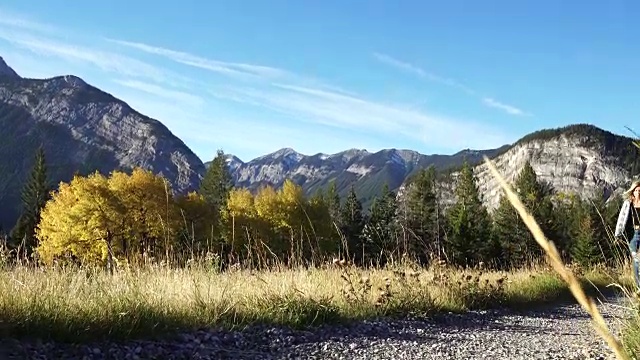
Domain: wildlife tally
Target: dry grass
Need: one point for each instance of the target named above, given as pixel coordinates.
(82, 304)
(88, 304)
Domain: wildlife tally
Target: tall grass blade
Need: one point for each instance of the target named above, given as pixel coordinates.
(553, 256)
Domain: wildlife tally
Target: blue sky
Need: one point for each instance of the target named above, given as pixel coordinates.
(251, 77)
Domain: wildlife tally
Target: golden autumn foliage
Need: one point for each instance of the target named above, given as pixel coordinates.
(150, 214)
(81, 220)
(282, 223)
(125, 217)
(92, 216)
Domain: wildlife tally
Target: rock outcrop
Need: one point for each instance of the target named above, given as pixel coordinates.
(578, 159)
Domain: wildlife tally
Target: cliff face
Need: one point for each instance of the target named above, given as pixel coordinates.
(82, 129)
(565, 163)
(570, 162)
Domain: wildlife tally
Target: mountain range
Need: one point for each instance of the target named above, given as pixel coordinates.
(84, 129)
(578, 158)
(366, 171)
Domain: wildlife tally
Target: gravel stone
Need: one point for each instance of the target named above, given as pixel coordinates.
(554, 332)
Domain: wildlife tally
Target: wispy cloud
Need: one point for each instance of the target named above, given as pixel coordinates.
(291, 94)
(504, 107)
(234, 70)
(488, 101)
(422, 73)
(222, 67)
(104, 60)
(13, 20)
(256, 107)
(361, 116)
(163, 92)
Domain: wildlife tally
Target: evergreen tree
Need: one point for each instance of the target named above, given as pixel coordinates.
(217, 182)
(319, 196)
(516, 241)
(565, 217)
(323, 230)
(595, 246)
(586, 249)
(420, 216)
(352, 223)
(333, 202)
(35, 194)
(380, 231)
(598, 210)
(470, 238)
(215, 188)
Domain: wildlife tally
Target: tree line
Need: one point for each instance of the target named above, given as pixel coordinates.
(127, 218)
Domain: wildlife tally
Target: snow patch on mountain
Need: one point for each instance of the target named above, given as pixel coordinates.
(359, 169)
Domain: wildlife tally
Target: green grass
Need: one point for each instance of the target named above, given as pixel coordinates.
(81, 305)
(630, 330)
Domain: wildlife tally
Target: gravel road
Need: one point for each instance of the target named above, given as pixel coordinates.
(558, 332)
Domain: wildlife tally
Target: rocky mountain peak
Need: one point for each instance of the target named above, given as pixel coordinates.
(83, 129)
(350, 154)
(402, 156)
(287, 152)
(73, 81)
(233, 162)
(6, 70)
(288, 156)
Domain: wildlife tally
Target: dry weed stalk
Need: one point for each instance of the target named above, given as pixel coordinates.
(556, 262)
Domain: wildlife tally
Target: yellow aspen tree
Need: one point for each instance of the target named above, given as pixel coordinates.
(239, 216)
(272, 227)
(292, 205)
(151, 212)
(82, 219)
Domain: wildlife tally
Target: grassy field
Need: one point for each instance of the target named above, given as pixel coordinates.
(84, 304)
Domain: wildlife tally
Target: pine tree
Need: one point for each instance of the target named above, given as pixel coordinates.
(217, 182)
(318, 196)
(565, 217)
(215, 188)
(469, 241)
(516, 241)
(352, 223)
(380, 230)
(598, 210)
(592, 243)
(323, 232)
(420, 216)
(511, 235)
(586, 250)
(35, 194)
(333, 202)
